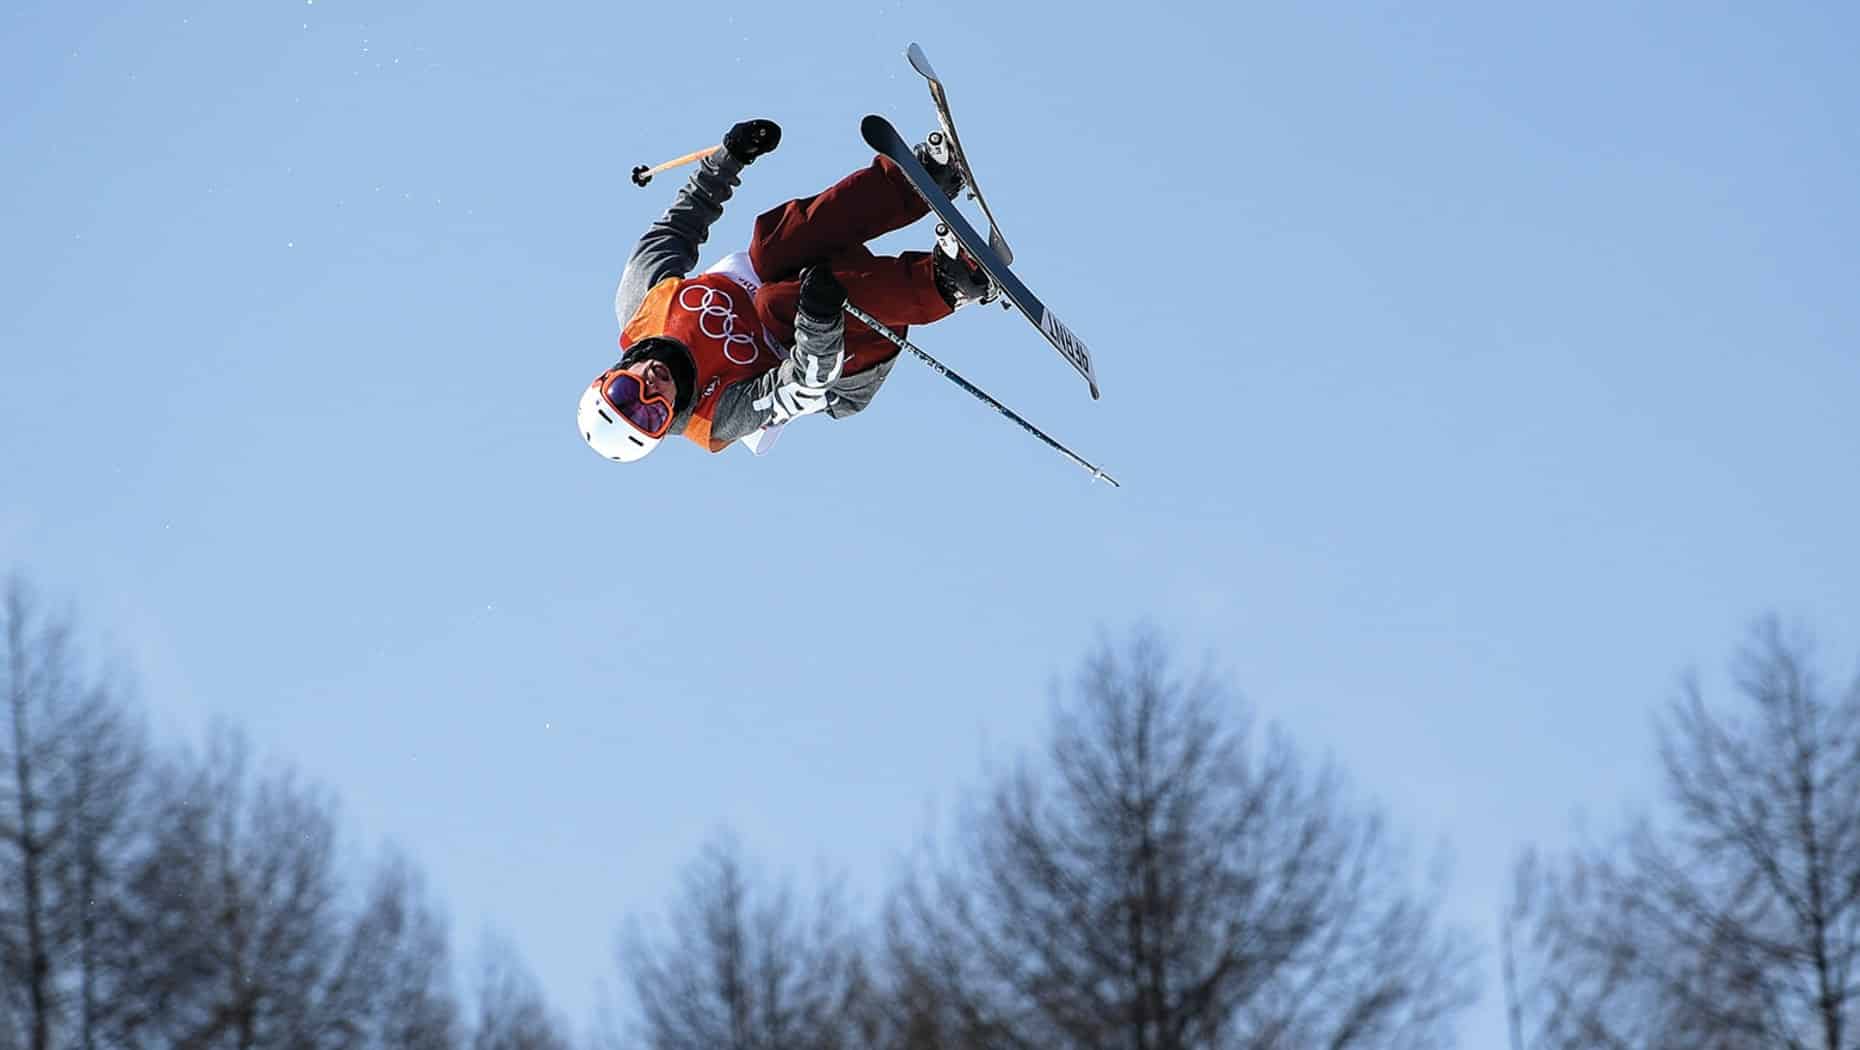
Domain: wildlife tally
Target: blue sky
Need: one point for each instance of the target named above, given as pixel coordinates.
(1471, 373)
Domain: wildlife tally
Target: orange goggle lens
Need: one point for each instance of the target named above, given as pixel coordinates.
(626, 395)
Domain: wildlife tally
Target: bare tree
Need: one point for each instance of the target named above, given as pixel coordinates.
(1732, 920)
(1164, 880)
(512, 1014)
(248, 936)
(71, 756)
(101, 802)
(744, 967)
(413, 1007)
(233, 901)
(199, 901)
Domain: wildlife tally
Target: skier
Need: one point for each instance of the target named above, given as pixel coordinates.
(759, 338)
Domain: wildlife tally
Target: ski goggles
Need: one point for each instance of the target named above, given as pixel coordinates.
(625, 394)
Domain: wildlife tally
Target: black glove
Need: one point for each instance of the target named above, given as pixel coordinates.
(751, 139)
(822, 294)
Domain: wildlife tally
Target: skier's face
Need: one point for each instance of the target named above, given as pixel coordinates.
(657, 379)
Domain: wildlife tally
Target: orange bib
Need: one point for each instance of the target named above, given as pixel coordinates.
(715, 318)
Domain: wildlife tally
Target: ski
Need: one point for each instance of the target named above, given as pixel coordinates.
(921, 63)
(881, 136)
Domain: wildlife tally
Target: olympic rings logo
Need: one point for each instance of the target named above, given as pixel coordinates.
(717, 310)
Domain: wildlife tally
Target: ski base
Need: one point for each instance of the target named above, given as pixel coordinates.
(884, 138)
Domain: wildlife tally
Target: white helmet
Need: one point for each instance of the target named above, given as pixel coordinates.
(612, 432)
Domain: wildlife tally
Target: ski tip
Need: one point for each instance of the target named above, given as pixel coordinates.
(920, 61)
(877, 130)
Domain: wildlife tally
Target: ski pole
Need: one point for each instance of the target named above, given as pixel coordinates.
(643, 174)
(943, 370)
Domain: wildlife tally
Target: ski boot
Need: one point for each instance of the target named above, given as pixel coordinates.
(935, 154)
(958, 278)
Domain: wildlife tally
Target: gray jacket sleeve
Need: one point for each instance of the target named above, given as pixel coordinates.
(737, 415)
(851, 394)
(670, 245)
(749, 405)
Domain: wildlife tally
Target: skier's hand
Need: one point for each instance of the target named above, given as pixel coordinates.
(751, 139)
(822, 294)
(819, 353)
